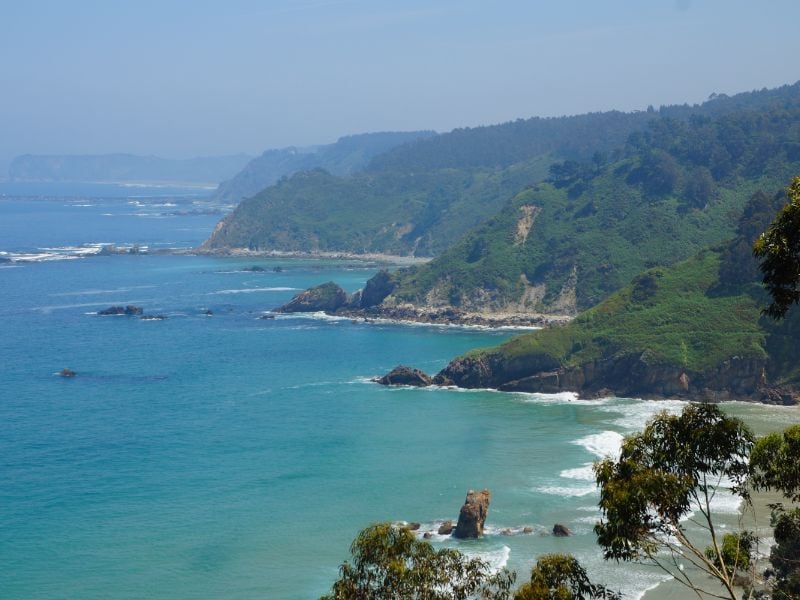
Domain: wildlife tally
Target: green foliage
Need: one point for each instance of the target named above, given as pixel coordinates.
(775, 462)
(736, 551)
(397, 212)
(561, 577)
(785, 555)
(347, 155)
(775, 465)
(679, 187)
(672, 316)
(576, 137)
(673, 467)
(388, 563)
(779, 250)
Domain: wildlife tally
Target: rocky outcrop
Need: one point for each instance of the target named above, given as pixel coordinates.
(402, 375)
(560, 530)
(446, 528)
(377, 289)
(327, 297)
(627, 375)
(473, 515)
(130, 311)
(781, 396)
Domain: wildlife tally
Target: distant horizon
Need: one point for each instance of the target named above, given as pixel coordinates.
(179, 79)
(5, 174)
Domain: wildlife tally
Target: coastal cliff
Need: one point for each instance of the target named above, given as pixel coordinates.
(692, 331)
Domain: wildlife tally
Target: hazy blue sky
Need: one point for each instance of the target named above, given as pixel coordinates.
(186, 78)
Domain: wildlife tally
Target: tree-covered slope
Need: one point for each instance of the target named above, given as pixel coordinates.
(417, 207)
(347, 155)
(571, 137)
(566, 244)
(420, 197)
(693, 329)
(391, 212)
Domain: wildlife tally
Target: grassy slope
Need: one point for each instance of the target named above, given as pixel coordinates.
(668, 313)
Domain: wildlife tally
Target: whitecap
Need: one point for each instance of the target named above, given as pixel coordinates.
(558, 398)
(636, 413)
(319, 316)
(602, 445)
(93, 292)
(584, 473)
(496, 559)
(252, 290)
(569, 491)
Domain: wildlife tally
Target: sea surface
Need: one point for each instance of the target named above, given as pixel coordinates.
(223, 455)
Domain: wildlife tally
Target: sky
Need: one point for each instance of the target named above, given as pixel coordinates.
(179, 78)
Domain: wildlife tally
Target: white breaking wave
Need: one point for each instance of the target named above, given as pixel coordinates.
(571, 492)
(319, 316)
(559, 398)
(602, 445)
(496, 559)
(584, 473)
(94, 292)
(635, 414)
(252, 290)
(61, 252)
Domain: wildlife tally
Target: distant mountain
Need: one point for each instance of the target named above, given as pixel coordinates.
(403, 206)
(125, 168)
(348, 155)
(420, 197)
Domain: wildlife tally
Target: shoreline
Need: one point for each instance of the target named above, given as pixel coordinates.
(412, 315)
(391, 259)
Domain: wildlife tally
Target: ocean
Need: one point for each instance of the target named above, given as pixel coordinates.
(215, 454)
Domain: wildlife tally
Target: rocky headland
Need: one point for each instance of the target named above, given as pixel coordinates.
(370, 303)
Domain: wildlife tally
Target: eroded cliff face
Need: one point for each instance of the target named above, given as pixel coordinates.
(630, 375)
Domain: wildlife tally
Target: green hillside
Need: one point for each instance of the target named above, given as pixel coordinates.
(391, 212)
(347, 155)
(566, 244)
(691, 329)
(420, 197)
(418, 207)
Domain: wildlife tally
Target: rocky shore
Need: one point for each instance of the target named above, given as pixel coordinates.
(367, 304)
(627, 376)
(388, 259)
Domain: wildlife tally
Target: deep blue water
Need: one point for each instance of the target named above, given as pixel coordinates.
(227, 456)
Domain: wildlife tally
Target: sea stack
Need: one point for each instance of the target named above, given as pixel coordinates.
(473, 515)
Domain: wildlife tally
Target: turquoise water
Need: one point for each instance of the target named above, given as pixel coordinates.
(227, 456)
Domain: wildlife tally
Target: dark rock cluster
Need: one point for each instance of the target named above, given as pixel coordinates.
(129, 311)
(402, 375)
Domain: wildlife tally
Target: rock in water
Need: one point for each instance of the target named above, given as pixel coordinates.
(473, 515)
(129, 310)
(327, 297)
(560, 530)
(445, 528)
(402, 375)
(377, 288)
